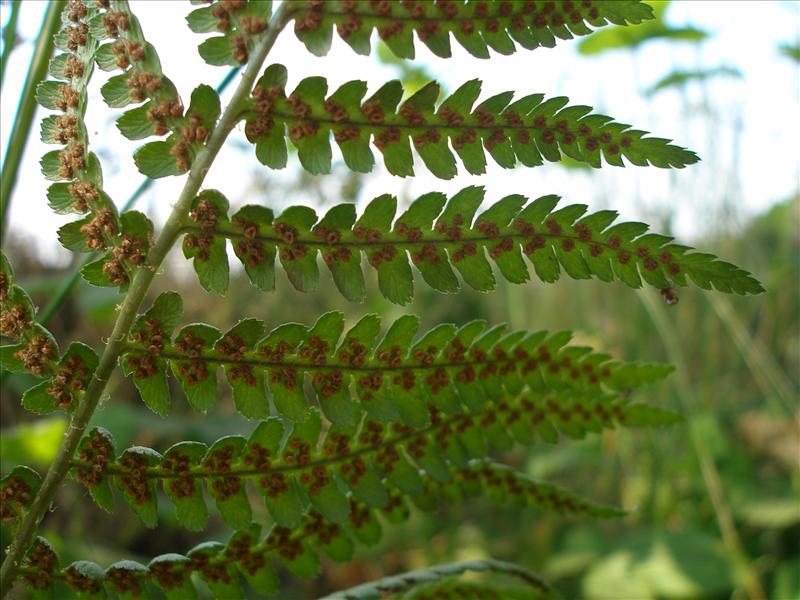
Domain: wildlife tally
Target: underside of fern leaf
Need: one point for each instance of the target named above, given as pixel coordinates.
(475, 25)
(296, 469)
(448, 367)
(34, 350)
(248, 554)
(526, 131)
(442, 236)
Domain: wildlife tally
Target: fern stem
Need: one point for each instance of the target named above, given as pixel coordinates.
(708, 469)
(397, 584)
(133, 300)
(9, 38)
(231, 233)
(27, 107)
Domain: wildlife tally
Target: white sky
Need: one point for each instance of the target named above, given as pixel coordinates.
(762, 109)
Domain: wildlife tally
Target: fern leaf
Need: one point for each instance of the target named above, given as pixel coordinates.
(143, 81)
(394, 379)
(130, 246)
(85, 578)
(240, 24)
(17, 489)
(72, 71)
(123, 239)
(41, 566)
(96, 449)
(248, 554)
(175, 155)
(128, 579)
(35, 351)
(616, 38)
(69, 378)
(79, 187)
(294, 466)
(140, 493)
(149, 372)
(298, 546)
(528, 130)
(476, 26)
(425, 578)
(439, 235)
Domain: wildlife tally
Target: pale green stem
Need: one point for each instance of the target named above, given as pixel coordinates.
(9, 39)
(397, 584)
(130, 306)
(714, 486)
(27, 107)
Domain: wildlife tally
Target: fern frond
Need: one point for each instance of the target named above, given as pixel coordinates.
(143, 81)
(79, 188)
(438, 234)
(476, 26)
(35, 351)
(71, 70)
(296, 546)
(292, 466)
(438, 582)
(240, 23)
(527, 130)
(176, 154)
(395, 378)
(355, 424)
(76, 170)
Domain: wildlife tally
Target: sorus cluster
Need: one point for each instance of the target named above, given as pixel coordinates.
(220, 463)
(43, 562)
(95, 454)
(15, 494)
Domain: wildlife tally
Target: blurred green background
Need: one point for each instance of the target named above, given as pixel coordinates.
(714, 500)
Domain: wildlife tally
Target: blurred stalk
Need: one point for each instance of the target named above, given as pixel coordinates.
(27, 106)
(9, 38)
(711, 478)
(767, 372)
(72, 279)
